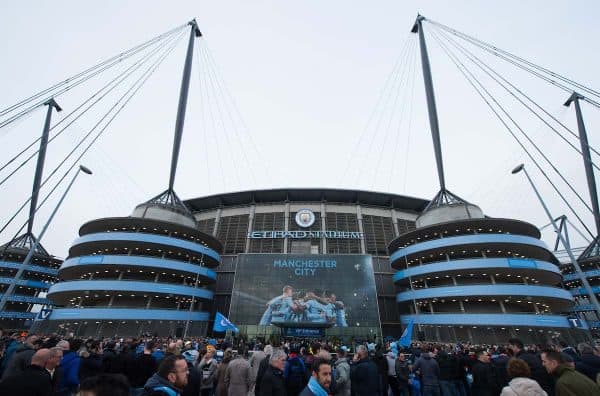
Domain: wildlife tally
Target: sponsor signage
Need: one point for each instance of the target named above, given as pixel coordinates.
(305, 234)
(303, 332)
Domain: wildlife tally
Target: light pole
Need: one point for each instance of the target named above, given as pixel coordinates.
(566, 244)
(37, 240)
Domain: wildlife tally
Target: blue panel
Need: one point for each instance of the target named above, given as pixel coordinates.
(583, 307)
(28, 299)
(149, 238)
(522, 263)
(587, 274)
(130, 286)
(33, 268)
(467, 264)
(139, 261)
(484, 290)
(28, 283)
(593, 323)
(126, 314)
(502, 320)
(17, 315)
(581, 291)
(467, 240)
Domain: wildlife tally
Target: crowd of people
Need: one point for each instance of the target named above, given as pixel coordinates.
(50, 365)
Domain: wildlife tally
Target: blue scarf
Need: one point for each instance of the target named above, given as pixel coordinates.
(316, 388)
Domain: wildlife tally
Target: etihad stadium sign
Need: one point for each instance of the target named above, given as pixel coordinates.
(305, 234)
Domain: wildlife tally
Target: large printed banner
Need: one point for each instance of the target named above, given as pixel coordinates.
(304, 291)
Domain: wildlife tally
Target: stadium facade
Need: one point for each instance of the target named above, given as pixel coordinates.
(313, 262)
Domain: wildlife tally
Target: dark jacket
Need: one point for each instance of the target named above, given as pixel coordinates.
(402, 373)
(33, 381)
(90, 366)
(69, 379)
(364, 376)
(538, 372)
(157, 384)
(484, 380)
(19, 360)
(262, 369)
(500, 364)
(588, 365)
(143, 367)
(429, 368)
(448, 366)
(272, 383)
(571, 383)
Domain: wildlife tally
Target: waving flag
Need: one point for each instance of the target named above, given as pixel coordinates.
(223, 324)
(407, 334)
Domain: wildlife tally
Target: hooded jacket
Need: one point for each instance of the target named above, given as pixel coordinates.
(429, 368)
(156, 383)
(70, 372)
(521, 386)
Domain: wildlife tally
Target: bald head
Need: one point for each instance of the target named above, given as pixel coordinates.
(41, 357)
(64, 345)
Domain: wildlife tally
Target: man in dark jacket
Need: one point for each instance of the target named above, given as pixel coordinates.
(170, 379)
(569, 382)
(484, 380)
(272, 382)
(22, 356)
(589, 364)
(535, 365)
(430, 373)
(402, 374)
(33, 381)
(364, 375)
(320, 379)
(69, 379)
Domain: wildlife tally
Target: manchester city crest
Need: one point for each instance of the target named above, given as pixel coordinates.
(305, 218)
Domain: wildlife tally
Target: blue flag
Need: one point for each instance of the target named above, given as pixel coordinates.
(407, 334)
(223, 324)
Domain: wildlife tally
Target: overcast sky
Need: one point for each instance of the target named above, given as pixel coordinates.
(325, 92)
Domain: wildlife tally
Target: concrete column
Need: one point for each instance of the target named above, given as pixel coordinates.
(286, 226)
(217, 221)
(363, 248)
(460, 303)
(395, 222)
(250, 226)
(324, 226)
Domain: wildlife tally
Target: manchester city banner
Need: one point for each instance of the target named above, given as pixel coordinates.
(223, 324)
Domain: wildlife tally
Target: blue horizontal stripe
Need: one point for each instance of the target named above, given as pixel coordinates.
(129, 286)
(17, 315)
(593, 323)
(469, 264)
(484, 290)
(28, 299)
(126, 314)
(501, 320)
(467, 240)
(583, 307)
(581, 291)
(27, 283)
(33, 268)
(140, 262)
(148, 238)
(587, 274)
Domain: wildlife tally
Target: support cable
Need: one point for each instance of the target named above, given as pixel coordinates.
(489, 71)
(116, 59)
(223, 89)
(393, 72)
(203, 120)
(133, 89)
(523, 132)
(514, 59)
(410, 120)
(121, 77)
(470, 78)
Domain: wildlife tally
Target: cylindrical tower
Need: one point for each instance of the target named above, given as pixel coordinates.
(478, 279)
(31, 289)
(149, 273)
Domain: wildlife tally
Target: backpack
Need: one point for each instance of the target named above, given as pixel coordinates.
(295, 376)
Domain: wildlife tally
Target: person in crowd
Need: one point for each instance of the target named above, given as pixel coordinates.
(69, 380)
(448, 367)
(589, 363)
(53, 367)
(429, 371)
(279, 308)
(91, 364)
(320, 380)
(520, 382)
(568, 381)
(262, 367)
(484, 378)
(294, 372)
(342, 373)
(364, 375)
(238, 377)
(170, 378)
(10, 347)
(391, 372)
(535, 365)
(382, 368)
(34, 380)
(207, 367)
(22, 356)
(105, 385)
(143, 368)
(272, 382)
(221, 389)
(499, 364)
(402, 374)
